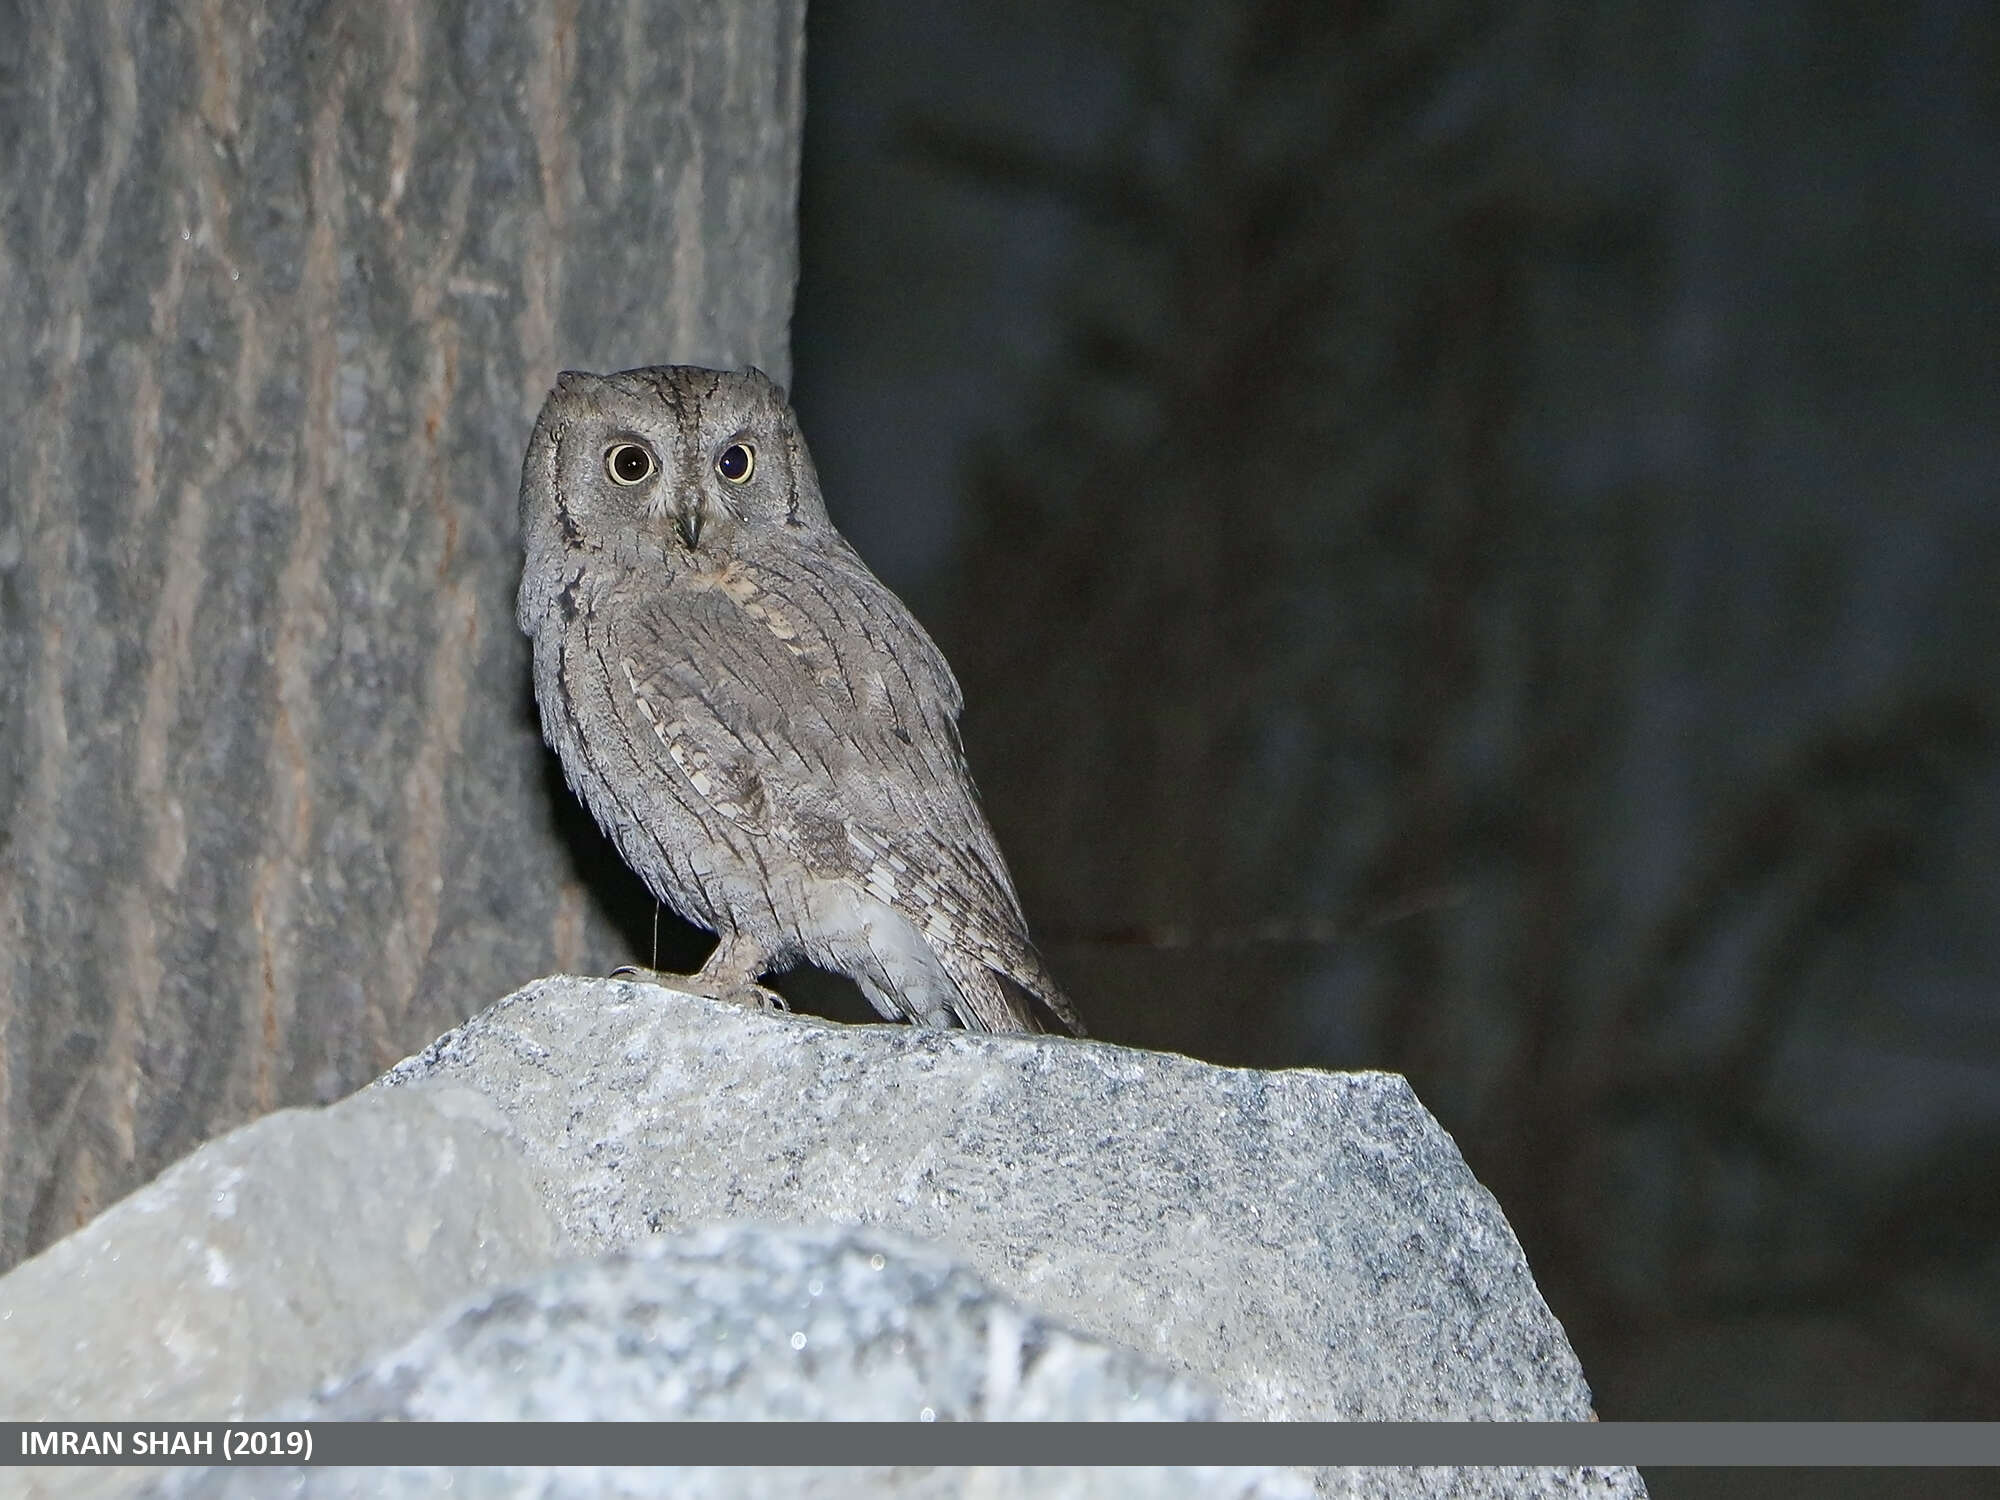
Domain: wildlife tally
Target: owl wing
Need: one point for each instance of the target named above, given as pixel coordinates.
(803, 702)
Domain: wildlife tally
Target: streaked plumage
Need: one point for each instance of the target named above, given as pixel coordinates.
(762, 728)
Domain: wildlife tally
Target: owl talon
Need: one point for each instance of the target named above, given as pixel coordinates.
(756, 997)
(687, 984)
(749, 996)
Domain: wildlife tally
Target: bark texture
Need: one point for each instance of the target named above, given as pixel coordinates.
(281, 288)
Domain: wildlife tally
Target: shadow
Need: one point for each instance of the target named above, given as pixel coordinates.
(832, 997)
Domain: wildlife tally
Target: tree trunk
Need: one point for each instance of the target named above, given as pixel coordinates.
(281, 288)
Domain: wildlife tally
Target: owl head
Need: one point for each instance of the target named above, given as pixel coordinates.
(636, 468)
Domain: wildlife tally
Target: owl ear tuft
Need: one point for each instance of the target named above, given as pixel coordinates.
(777, 391)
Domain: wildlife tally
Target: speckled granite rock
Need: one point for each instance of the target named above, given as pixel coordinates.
(270, 1260)
(1311, 1244)
(880, 1483)
(1270, 1245)
(743, 1321)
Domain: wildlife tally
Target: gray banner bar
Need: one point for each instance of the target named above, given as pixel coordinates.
(1561, 1444)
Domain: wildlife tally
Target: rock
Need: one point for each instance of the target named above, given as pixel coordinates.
(1487, 1483)
(610, 1483)
(1310, 1243)
(1065, 1228)
(742, 1322)
(271, 1260)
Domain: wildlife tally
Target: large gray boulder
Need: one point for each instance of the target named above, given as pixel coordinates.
(282, 284)
(1310, 1243)
(662, 1205)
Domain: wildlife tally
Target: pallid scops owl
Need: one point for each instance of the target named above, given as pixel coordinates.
(760, 726)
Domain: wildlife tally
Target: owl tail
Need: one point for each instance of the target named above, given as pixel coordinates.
(1012, 999)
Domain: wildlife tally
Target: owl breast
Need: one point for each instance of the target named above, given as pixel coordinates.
(680, 776)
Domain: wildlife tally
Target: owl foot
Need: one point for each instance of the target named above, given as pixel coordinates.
(756, 997)
(749, 995)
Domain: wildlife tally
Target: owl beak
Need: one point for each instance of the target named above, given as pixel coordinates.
(689, 526)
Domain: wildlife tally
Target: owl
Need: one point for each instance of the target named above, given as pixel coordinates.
(760, 726)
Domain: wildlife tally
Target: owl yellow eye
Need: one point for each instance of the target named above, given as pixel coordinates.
(736, 462)
(628, 463)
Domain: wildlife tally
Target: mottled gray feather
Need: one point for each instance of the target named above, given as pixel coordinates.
(762, 728)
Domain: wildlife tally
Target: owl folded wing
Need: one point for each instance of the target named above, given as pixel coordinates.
(832, 733)
(836, 720)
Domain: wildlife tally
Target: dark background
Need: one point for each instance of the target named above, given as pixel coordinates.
(1469, 536)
